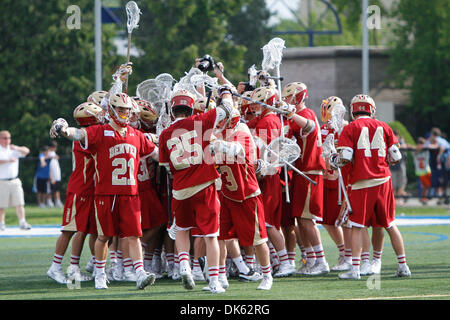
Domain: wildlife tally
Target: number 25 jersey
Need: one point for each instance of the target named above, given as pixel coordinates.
(370, 140)
(116, 158)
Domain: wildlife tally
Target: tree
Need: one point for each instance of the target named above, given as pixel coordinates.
(421, 61)
(172, 33)
(47, 68)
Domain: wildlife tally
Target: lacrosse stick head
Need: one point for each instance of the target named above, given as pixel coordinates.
(337, 121)
(281, 150)
(294, 93)
(252, 76)
(327, 106)
(186, 83)
(87, 114)
(133, 15)
(272, 54)
(328, 146)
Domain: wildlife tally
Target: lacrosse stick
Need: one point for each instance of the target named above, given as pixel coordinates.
(272, 55)
(209, 82)
(133, 16)
(252, 76)
(285, 150)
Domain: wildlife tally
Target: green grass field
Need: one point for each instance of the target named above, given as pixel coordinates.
(24, 262)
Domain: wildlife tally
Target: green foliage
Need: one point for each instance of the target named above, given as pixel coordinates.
(397, 125)
(47, 68)
(421, 60)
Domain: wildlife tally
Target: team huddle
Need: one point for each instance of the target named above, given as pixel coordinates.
(235, 181)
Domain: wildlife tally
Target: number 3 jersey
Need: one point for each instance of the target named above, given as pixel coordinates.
(184, 146)
(369, 139)
(116, 158)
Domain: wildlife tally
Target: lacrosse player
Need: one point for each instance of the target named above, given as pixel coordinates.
(116, 148)
(307, 199)
(183, 148)
(266, 127)
(78, 214)
(371, 146)
(242, 213)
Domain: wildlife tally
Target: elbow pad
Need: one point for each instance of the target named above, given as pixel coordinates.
(394, 154)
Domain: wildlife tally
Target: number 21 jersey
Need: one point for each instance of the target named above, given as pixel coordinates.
(116, 158)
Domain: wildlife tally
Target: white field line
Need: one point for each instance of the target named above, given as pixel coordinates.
(403, 297)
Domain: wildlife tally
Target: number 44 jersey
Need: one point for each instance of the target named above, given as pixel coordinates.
(116, 158)
(184, 146)
(370, 140)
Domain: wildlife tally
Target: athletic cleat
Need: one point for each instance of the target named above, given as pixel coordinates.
(266, 283)
(197, 274)
(129, 276)
(366, 268)
(354, 275)
(74, 273)
(101, 281)
(89, 266)
(25, 226)
(187, 280)
(250, 276)
(318, 269)
(342, 266)
(223, 281)
(376, 266)
(57, 275)
(176, 273)
(117, 271)
(403, 271)
(144, 279)
(215, 287)
(286, 270)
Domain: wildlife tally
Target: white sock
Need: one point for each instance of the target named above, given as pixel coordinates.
(240, 264)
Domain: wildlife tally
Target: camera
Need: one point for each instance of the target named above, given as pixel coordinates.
(206, 63)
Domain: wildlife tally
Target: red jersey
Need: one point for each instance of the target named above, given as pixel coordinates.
(311, 144)
(238, 176)
(116, 158)
(81, 180)
(330, 177)
(184, 146)
(146, 174)
(369, 139)
(266, 128)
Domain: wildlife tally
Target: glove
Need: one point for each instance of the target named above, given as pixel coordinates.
(152, 137)
(334, 160)
(124, 71)
(289, 109)
(59, 126)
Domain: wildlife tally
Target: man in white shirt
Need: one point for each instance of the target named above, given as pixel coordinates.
(10, 184)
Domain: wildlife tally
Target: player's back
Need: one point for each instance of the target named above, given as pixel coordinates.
(238, 174)
(184, 146)
(370, 140)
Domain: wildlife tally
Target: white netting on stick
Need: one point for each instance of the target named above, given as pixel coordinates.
(328, 146)
(186, 83)
(280, 151)
(272, 54)
(337, 121)
(133, 15)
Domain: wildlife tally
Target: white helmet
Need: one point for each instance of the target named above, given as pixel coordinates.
(200, 105)
(294, 93)
(182, 99)
(362, 103)
(327, 106)
(121, 100)
(87, 114)
(267, 95)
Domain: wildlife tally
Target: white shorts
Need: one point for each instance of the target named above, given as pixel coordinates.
(11, 194)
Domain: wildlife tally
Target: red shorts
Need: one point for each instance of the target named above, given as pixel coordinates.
(118, 215)
(201, 211)
(271, 196)
(287, 219)
(306, 198)
(244, 220)
(330, 205)
(373, 207)
(152, 210)
(79, 214)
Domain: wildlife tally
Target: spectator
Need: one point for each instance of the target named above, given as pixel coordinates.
(422, 168)
(55, 177)
(439, 149)
(42, 177)
(398, 171)
(10, 184)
